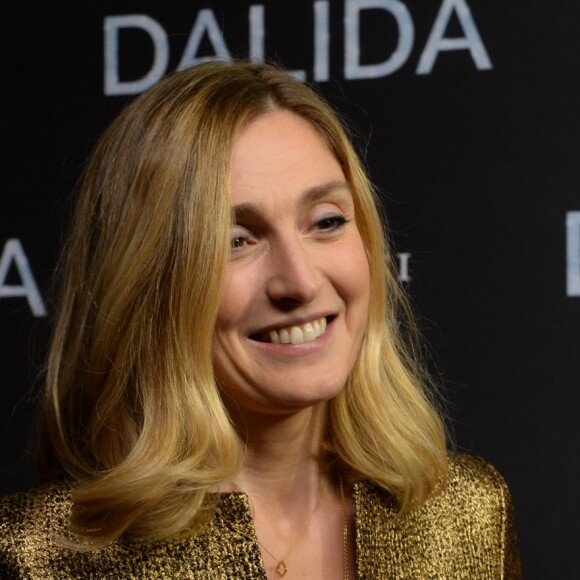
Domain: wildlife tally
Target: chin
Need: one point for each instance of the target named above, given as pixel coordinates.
(305, 396)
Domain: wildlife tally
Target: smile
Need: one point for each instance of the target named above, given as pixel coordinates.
(298, 334)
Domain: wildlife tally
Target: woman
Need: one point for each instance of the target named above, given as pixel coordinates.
(230, 393)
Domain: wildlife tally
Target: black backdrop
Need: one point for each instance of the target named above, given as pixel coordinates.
(469, 114)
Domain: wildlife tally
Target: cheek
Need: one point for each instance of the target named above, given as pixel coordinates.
(225, 355)
(243, 289)
(233, 302)
(356, 277)
(229, 321)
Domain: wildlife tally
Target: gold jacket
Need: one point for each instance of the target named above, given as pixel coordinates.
(466, 532)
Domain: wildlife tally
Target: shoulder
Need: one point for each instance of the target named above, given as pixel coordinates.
(30, 510)
(475, 493)
(34, 533)
(472, 484)
(31, 523)
(465, 531)
(466, 469)
(471, 481)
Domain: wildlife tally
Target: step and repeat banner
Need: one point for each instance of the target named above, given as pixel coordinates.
(467, 113)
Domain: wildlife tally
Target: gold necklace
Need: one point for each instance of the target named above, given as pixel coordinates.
(282, 567)
(344, 529)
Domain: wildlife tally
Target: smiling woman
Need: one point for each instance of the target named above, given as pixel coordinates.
(228, 392)
(298, 264)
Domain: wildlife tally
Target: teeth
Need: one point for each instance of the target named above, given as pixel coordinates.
(299, 334)
(296, 335)
(309, 332)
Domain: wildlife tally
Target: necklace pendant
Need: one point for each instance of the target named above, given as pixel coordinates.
(281, 568)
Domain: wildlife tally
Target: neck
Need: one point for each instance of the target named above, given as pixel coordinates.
(283, 455)
(299, 513)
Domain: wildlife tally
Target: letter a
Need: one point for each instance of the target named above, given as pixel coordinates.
(205, 22)
(436, 42)
(13, 252)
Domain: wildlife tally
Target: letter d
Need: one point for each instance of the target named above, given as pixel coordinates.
(112, 84)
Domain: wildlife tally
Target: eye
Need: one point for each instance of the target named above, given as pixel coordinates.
(331, 223)
(241, 240)
(238, 242)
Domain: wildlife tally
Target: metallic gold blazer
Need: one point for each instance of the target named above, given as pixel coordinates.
(466, 532)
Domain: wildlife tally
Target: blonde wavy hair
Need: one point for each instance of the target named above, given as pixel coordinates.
(132, 414)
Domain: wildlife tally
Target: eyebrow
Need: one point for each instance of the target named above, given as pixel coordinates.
(307, 197)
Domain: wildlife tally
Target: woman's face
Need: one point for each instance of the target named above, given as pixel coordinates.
(294, 307)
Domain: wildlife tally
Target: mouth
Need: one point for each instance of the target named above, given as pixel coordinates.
(296, 334)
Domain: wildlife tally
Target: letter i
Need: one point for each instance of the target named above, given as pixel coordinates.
(321, 41)
(257, 33)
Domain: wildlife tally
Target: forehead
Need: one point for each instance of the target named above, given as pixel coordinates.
(280, 153)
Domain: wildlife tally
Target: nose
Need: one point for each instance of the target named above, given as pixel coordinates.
(293, 276)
